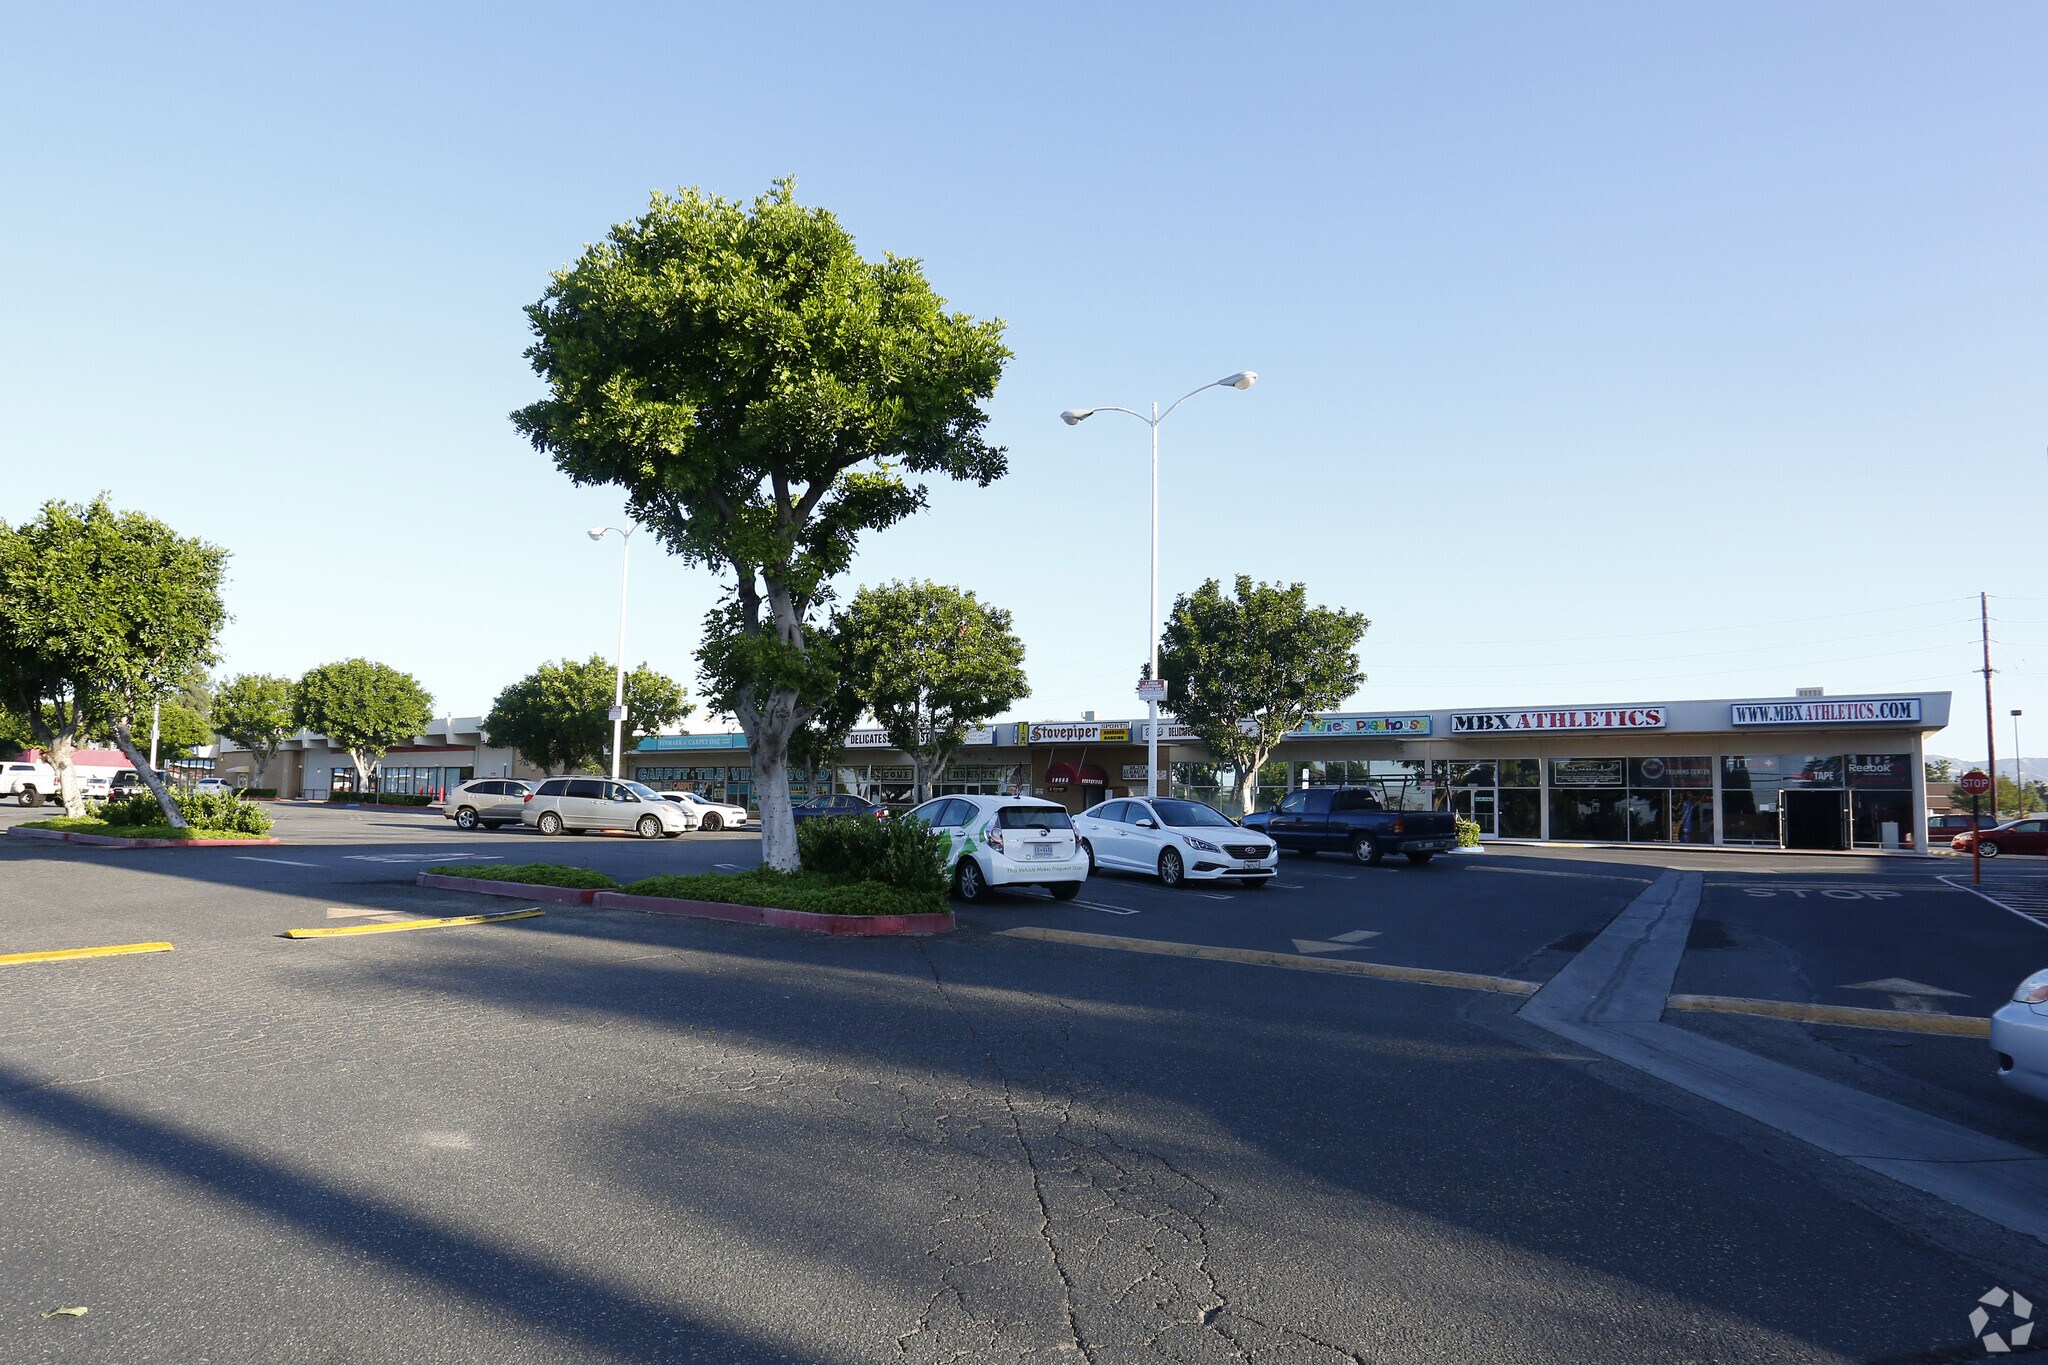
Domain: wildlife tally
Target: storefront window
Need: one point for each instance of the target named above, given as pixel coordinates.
(1590, 813)
(1880, 799)
(1520, 772)
(1521, 813)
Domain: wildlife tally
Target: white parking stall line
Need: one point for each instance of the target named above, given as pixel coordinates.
(1210, 895)
(735, 867)
(1105, 909)
(2030, 904)
(281, 862)
(463, 854)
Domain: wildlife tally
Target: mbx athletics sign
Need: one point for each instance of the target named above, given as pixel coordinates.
(1597, 718)
(1824, 712)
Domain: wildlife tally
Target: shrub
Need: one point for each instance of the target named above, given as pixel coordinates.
(204, 810)
(807, 890)
(1468, 834)
(531, 874)
(144, 831)
(904, 854)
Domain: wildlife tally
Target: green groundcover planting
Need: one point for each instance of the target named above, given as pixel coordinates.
(530, 874)
(82, 826)
(810, 891)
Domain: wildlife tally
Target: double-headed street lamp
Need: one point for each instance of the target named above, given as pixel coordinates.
(625, 535)
(1243, 379)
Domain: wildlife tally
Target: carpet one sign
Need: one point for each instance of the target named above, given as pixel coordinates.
(1527, 722)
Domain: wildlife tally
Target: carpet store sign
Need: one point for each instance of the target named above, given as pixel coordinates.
(1825, 712)
(1521, 722)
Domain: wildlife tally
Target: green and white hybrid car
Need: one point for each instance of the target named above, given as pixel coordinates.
(1005, 841)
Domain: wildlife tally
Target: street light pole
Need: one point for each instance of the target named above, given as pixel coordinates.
(2019, 768)
(1243, 379)
(619, 683)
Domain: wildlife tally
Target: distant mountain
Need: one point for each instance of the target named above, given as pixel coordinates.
(2036, 769)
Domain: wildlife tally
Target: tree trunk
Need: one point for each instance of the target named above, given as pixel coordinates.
(1247, 793)
(356, 757)
(124, 737)
(59, 756)
(768, 747)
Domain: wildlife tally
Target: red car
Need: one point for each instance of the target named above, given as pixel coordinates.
(2014, 836)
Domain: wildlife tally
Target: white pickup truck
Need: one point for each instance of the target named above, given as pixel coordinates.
(29, 783)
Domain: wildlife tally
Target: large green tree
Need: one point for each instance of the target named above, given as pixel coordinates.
(1246, 668)
(930, 663)
(558, 716)
(367, 708)
(101, 614)
(181, 730)
(763, 396)
(254, 710)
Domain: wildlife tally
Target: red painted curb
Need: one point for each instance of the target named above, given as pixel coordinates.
(554, 895)
(870, 925)
(108, 841)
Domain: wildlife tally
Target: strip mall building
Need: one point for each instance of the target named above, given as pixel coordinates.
(1809, 771)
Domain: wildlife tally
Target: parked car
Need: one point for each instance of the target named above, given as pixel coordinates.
(1175, 841)
(711, 815)
(2014, 836)
(1948, 826)
(207, 785)
(2019, 1038)
(1351, 820)
(839, 804)
(29, 783)
(487, 801)
(577, 804)
(129, 780)
(1002, 841)
(95, 785)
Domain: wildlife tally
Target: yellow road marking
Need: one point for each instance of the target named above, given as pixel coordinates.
(1849, 1016)
(411, 924)
(66, 954)
(1423, 976)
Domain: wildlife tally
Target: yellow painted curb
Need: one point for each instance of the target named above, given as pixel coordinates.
(1379, 971)
(1849, 1016)
(66, 954)
(412, 924)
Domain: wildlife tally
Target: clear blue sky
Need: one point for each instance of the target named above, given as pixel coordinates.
(1608, 353)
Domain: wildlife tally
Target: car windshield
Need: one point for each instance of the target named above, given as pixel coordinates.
(1033, 817)
(643, 792)
(1191, 815)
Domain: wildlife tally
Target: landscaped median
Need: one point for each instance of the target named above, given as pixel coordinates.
(101, 834)
(832, 899)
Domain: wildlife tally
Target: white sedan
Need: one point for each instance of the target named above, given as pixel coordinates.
(1175, 841)
(2019, 1038)
(711, 815)
(994, 841)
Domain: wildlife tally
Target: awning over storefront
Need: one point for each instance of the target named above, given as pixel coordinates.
(1090, 775)
(1060, 775)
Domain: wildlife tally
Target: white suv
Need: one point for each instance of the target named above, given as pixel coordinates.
(487, 801)
(996, 841)
(29, 783)
(583, 803)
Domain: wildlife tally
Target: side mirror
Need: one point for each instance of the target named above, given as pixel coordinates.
(1147, 824)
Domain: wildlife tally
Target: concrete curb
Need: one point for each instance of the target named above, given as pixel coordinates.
(554, 895)
(804, 920)
(393, 809)
(107, 841)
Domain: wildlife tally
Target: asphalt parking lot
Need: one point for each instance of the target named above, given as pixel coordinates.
(607, 1136)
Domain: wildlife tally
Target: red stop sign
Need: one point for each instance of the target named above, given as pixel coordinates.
(1976, 782)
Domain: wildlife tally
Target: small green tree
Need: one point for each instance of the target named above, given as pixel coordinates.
(254, 710)
(558, 718)
(1940, 769)
(102, 612)
(367, 708)
(764, 396)
(1244, 670)
(181, 731)
(930, 662)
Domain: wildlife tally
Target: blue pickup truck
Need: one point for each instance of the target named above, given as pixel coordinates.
(1351, 820)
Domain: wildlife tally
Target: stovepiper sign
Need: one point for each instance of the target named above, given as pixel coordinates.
(1824, 712)
(1596, 718)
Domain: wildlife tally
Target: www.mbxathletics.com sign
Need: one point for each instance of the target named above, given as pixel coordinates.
(1825, 712)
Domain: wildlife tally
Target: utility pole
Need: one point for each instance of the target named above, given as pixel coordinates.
(1990, 715)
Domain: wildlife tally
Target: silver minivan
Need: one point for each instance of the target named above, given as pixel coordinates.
(583, 803)
(487, 801)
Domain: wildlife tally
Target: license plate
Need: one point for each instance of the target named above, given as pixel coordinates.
(1043, 852)
(1253, 862)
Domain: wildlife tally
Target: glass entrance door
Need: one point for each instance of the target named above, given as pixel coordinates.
(1480, 805)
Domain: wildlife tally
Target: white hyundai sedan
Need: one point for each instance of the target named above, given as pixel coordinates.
(1175, 841)
(1005, 841)
(2019, 1038)
(711, 815)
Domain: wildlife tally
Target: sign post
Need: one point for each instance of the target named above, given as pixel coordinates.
(1976, 782)
(1152, 691)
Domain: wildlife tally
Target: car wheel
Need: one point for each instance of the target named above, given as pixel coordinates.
(465, 818)
(1172, 872)
(1366, 851)
(1089, 849)
(28, 797)
(968, 883)
(649, 827)
(1420, 859)
(549, 823)
(1987, 848)
(712, 823)
(1064, 891)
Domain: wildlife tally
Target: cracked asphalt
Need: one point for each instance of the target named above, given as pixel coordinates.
(601, 1136)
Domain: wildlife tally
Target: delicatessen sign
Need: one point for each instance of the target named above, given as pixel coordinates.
(1580, 718)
